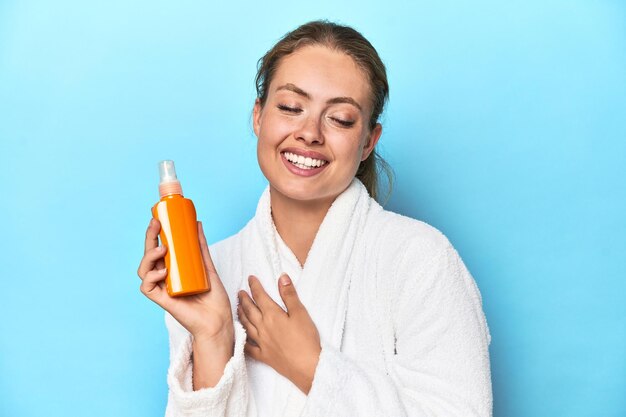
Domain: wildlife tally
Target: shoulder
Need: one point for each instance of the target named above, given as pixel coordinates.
(225, 246)
(425, 269)
(228, 247)
(397, 234)
(226, 256)
(412, 254)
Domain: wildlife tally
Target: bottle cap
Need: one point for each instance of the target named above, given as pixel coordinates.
(169, 183)
(167, 171)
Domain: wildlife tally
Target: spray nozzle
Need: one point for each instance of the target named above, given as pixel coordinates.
(167, 171)
(169, 184)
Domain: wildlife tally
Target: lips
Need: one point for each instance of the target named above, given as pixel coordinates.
(306, 153)
(304, 162)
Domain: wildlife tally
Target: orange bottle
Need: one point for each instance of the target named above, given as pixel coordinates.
(179, 232)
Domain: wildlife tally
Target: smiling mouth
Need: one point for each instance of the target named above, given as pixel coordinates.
(304, 162)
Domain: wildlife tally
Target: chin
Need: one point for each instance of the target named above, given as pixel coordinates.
(308, 191)
(301, 191)
(312, 189)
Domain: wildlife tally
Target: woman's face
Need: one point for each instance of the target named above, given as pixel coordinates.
(313, 130)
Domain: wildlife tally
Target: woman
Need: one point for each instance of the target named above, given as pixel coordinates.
(324, 304)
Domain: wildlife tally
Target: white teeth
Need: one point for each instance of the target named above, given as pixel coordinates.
(304, 162)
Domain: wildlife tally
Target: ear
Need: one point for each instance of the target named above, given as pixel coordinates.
(256, 117)
(372, 140)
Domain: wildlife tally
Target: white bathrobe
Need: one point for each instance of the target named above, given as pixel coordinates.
(400, 320)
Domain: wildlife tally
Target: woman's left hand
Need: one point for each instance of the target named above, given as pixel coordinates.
(288, 341)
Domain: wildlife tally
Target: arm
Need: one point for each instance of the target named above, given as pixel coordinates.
(210, 357)
(202, 323)
(441, 360)
(229, 395)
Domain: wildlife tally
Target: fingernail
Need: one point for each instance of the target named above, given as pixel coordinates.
(284, 280)
(162, 271)
(151, 222)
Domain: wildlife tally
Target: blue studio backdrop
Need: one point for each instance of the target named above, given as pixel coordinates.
(506, 129)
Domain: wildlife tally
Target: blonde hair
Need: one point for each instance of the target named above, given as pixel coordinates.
(353, 44)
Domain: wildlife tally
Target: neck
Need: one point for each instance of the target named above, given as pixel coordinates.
(297, 221)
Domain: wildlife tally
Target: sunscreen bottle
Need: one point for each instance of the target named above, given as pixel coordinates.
(179, 232)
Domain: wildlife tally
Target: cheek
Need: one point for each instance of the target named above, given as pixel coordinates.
(352, 146)
(347, 150)
(273, 128)
(265, 151)
(272, 132)
(264, 158)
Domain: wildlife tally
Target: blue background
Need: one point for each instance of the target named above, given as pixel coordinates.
(506, 129)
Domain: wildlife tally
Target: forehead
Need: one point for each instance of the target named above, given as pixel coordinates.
(324, 73)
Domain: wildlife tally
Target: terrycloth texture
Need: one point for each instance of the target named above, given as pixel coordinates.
(400, 319)
(268, 400)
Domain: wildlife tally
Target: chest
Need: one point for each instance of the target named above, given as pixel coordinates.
(366, 331)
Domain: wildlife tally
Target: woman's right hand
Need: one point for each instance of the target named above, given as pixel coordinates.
(207, 316)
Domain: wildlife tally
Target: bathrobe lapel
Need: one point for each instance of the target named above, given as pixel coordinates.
(325, 280)
(324, 285)
(331, 263)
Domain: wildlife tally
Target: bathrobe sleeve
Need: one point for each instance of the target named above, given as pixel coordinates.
(229, 398)
(440, 361)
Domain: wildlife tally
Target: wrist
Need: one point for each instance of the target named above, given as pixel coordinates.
(210, 356)
(303, 377)
(223, 342)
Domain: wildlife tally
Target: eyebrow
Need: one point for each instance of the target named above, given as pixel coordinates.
(335, 100)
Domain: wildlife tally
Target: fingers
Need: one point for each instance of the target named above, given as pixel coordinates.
(247, 324)
(289, 295)
(152, 266)
(152, 280)
(152, 235)
(206, 258)
(261, 298)
(151, 259)
(153, 286)
(251, 329)
(160, 263)
(252, 350)
(249, 308)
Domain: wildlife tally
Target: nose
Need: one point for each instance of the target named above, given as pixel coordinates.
(310, 131)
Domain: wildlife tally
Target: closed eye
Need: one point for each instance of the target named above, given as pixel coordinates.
(345, 123)
(288, 109)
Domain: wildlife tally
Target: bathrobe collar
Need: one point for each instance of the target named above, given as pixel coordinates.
(325, 280)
